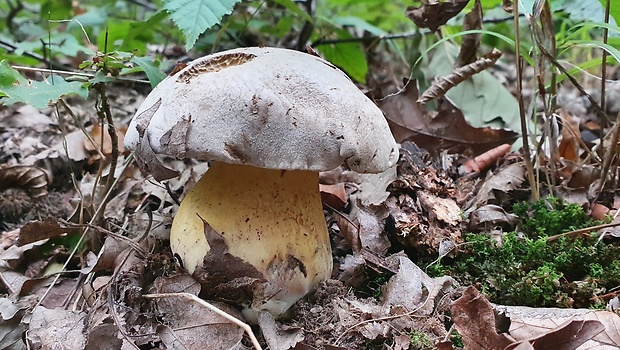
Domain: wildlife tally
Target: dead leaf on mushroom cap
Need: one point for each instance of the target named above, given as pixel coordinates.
(444, 129)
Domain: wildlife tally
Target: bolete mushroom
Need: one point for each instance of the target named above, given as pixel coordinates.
(252, 229)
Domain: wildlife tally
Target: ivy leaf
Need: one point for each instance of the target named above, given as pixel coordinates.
(39, 94)
(194, 17)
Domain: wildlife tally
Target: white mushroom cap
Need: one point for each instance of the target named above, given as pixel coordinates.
(267, 107)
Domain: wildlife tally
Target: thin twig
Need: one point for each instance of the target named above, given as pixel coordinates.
(246, 327)
(583, 230)
(524, 132)
(79, 74)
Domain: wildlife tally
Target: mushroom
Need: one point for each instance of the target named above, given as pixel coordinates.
(252, 230)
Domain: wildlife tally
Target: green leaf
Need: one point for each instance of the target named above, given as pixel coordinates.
(194, 17)
(350, 57)
(614, 9)
(292, 7)
(151, 68)
(16, 88)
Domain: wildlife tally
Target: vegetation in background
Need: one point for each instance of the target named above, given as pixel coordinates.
(528, 268)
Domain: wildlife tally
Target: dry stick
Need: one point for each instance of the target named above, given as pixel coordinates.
(246, 327)
(583, 230)
(604, 65)
(610, 155)
(524, 132)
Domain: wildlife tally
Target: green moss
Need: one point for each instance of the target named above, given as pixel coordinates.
(419, 340)
(527, 269)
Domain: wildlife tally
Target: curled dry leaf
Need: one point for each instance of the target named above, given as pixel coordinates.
(445, 129)
(32, 179)
(485, 160)
(434, 14)
(334, 196)
(490, 216)
(504, 181)
(441, 87)
(470, 42)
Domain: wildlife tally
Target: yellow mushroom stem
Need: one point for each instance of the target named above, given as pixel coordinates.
(271, 219)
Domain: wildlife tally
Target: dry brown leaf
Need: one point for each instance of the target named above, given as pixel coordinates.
(278, 336)
(447, 129)
(474, 319)
(334, 196)
(56, 329)
(442, 209)
(569, 145)
(189, 325)
(96, 134)
(490, 216)
(505, 180)
(38, 230)
(470, 42)
(529, 323)
(32, 179)
(434, 14)
(412, 289)
(568, 336)
(459, 75)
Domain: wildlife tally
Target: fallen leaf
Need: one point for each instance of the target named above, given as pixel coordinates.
(39, 230)
(490, 216)
(432, 15)
(446, 129)
(527, 323)
(504, 180)
(278, 336)
(56, 329)
(442, 209)
(474, 319)
(32, 179)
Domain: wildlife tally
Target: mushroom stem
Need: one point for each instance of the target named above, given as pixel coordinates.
(270, 219)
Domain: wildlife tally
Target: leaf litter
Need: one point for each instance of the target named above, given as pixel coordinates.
(382, 226)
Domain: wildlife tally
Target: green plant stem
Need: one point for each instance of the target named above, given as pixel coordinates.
(105, 115)
(604, 65)
(524, 132)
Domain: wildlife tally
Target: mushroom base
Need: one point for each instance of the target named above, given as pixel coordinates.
(254, 236)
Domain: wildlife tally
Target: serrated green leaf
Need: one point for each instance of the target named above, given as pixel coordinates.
(151, 68)
(194, 17)
(16, 88)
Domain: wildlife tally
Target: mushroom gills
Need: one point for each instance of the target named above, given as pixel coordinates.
(270, 219)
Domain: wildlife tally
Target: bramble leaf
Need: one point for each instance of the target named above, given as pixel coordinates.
(193, 17)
